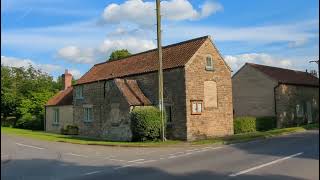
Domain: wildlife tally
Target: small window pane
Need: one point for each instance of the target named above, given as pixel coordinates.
(88, 115)
(209, 61)
(199, 108)
(194, 107)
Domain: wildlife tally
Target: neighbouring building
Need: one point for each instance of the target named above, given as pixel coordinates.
(197, 93)
(290, 96)
(59, 109)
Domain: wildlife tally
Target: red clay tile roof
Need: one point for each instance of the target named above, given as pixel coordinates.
(132, 92)
(175, 55)
(287, 76)
(64, 97)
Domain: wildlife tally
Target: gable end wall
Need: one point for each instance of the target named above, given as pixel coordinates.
(212, 121)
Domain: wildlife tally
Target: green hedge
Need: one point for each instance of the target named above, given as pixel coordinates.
(247, 124)
(244, 125)
(266, 123)
(70, 130)
(29, 121)
(145, 123)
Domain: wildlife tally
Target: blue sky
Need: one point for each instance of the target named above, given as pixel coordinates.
(56, 34)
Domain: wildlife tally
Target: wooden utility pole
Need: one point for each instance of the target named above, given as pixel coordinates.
(161, 107)
(318, 66)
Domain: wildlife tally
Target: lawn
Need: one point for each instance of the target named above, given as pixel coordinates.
(90, 141)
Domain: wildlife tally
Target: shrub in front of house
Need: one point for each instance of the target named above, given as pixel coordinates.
(29, 121)
(244, 124)
(70, 130)
(145, 123)
(266, 123)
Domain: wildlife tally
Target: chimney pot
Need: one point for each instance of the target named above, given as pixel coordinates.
(66, 79)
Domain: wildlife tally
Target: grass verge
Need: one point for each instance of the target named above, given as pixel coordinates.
(91, 141)
(82, 140)
(255, 135)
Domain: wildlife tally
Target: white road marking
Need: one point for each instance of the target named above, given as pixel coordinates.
(35, 147)
(94, 172)
(78, 155)
(135, 160)
(115, 159)
(264, 165)
(192, 152)
(135, 163)
(173, 154)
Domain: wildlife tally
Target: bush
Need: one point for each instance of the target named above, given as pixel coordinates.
(28, 121)
(145, 124)
(8, 122)
(244, 125)
(266, 123)
(70, 130)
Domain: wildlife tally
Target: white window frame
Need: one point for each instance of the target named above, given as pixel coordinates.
(56, 115)
(87, 117)
(79, 92)
(196, 107)
(209, 67)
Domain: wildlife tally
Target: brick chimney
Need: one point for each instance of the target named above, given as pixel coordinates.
(66, 80)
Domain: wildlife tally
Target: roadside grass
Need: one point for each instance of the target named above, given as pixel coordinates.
(237, 138)
(82, 140)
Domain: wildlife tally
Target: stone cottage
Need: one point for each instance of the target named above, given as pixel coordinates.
(59, 109)
(290, 96)
(197, 92)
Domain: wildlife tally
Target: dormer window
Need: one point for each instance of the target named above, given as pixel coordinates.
(209, 63)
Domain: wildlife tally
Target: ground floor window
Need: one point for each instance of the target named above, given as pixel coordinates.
(88, 115)
(299, 110)
(55, 116)
(196, 107)
(168, 114)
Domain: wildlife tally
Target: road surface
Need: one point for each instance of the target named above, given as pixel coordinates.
(291, 157)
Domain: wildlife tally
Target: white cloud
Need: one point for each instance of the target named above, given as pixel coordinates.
(294, 34)
(143, 13)
(237, 61)
(93, 55)
(48, 68)
(17, 62)
(77, 55)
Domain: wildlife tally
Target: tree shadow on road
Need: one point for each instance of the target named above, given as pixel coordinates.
(41, 169)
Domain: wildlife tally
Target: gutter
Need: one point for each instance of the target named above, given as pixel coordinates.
(44, 118)
(275, 99)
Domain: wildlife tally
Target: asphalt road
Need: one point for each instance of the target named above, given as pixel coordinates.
(287, 157)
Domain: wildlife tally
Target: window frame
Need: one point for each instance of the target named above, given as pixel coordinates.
(56, 116)
(79, 92)
(209, 68)
(197, 103)
(300, 110)
(86, 115)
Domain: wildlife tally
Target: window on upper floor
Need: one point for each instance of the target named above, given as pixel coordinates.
(79, 92)
(209, 63)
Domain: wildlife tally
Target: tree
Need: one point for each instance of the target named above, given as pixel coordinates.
(24, 92)
(119, 54)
